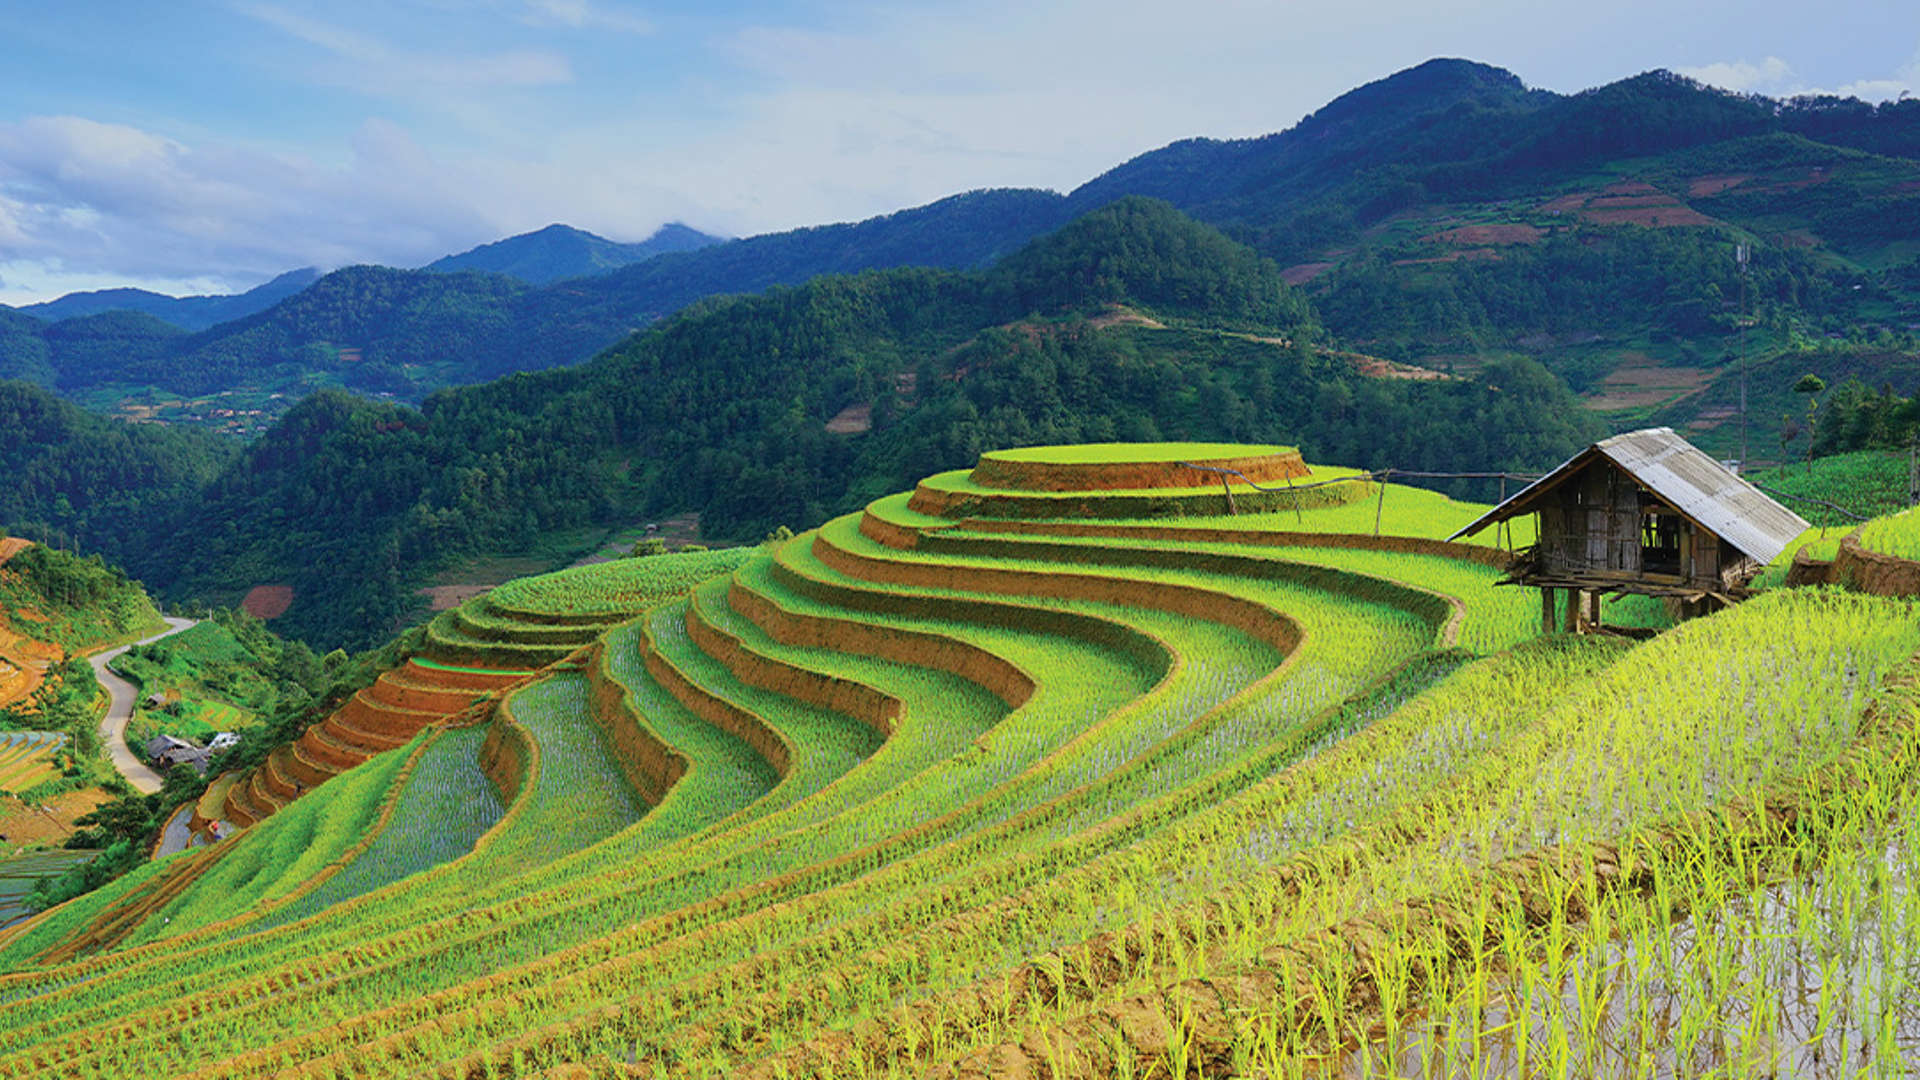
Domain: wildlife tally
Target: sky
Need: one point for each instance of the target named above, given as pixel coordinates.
(206, 145)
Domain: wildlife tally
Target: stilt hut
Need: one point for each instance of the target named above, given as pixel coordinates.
(1646, 512)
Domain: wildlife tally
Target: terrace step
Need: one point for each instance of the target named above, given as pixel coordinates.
(834, 693)
(273, 774)
(920, 648)
(363, 712)
(525, 633)
(418, 674)
(351, 735)
(262, 795)
(393, 688)
(328, 751)
(303, 769)
(712, 707)
(491, 606)
(236, 810)
(448, 643)
(213, 802)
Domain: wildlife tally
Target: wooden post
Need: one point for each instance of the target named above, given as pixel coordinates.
(1547, 621)
(1593, 611)
(1381, 506)
(1228, 489)
(1573, 611)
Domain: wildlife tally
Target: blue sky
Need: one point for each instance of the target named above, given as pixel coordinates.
(206, 145)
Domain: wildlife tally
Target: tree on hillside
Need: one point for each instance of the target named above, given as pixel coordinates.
(1811, 385)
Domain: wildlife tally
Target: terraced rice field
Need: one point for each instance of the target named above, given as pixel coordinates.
(1075, 792)
(26, 758)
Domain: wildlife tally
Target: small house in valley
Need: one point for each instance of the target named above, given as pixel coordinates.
(1645, 512)
(166, 751)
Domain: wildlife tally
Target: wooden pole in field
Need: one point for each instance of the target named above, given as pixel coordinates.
(1546, 612)
(1380, 507)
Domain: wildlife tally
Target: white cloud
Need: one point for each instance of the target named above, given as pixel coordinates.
(1776, 78)
(78, 196)
(1767, 76)
(374, 66)
(30, 281)
(582, 15)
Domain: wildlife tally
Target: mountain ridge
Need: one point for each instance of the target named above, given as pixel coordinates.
(559, 251)
(185, 312)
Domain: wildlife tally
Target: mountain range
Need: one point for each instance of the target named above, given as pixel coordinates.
(1416, 207)
(1417, 274)
(561, 251)
(184, 312)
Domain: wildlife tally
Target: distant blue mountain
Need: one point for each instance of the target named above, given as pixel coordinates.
(185, 312)
(561, 251)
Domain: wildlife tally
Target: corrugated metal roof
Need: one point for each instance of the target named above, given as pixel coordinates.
(1695, 484)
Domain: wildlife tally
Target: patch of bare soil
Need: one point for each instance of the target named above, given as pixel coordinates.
(48, 822)
(852, 420)
(676, 532)
(1124, 316)
(13, 545)
(1301, 273)
(1641, 381)
(1462, 364)
(1711, 418)
(1566, 204)
(1466, 255)
(1660, 217)
(1375, 367)
(446, 597)
(1706, 187)
(268, 601)
(1482, 235)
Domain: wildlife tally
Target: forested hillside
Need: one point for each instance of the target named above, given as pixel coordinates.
(1446, 215)
(1132, 324)
(100, 485)
(377, 330)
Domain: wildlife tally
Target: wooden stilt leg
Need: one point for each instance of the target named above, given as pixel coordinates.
(1547, 622)
(1573, 611)
(1593, 611)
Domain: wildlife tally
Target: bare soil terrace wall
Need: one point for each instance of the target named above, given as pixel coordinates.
(718, 711)
(1497, 558)
(325, 752)
(650, 764)
(441, 678)
(1000, 677)
(999, 472)
(1871, 572)
(394, 690)
(504, 756)
(1256, 620)
(1437, 610)
(366, 712)
(848, 697)
(1194, 502)
(1149, 653)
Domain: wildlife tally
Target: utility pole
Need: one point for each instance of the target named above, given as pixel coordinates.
(1741, 254)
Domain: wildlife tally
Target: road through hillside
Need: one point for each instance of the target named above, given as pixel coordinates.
(113, 726)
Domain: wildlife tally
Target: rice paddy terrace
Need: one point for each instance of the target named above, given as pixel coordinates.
(1086, 762)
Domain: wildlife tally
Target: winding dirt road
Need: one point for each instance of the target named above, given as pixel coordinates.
(113, 726)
